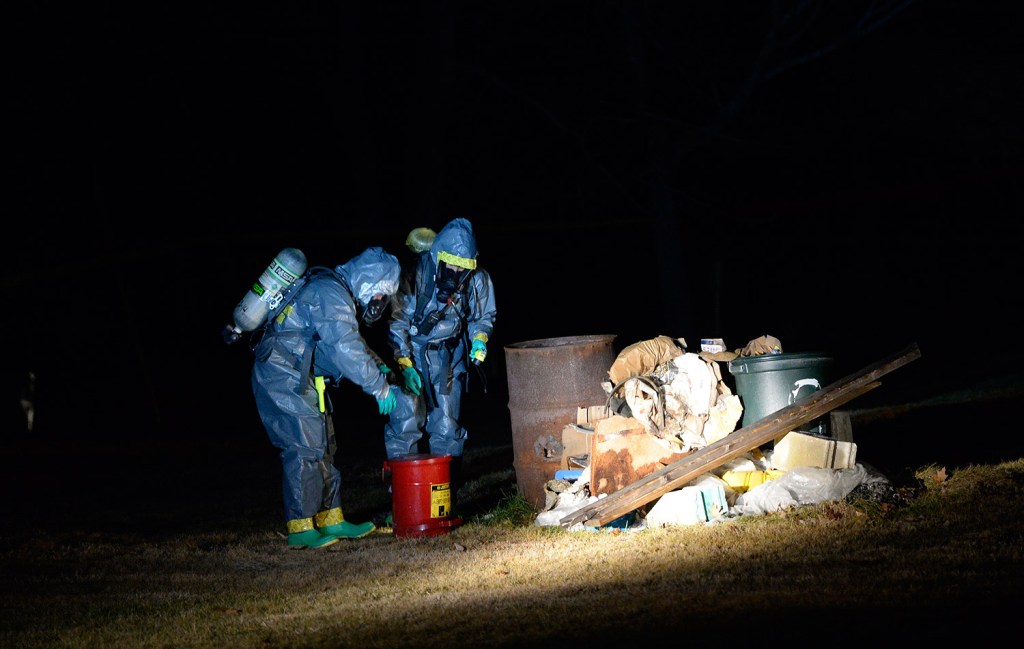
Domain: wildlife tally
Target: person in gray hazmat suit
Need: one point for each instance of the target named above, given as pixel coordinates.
(436, 331)
(314, 341)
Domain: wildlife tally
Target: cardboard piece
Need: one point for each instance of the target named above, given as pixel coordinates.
(591, 414)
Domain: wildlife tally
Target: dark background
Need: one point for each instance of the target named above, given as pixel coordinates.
(846, 179)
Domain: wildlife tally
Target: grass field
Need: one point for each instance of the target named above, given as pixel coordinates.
(146, 545)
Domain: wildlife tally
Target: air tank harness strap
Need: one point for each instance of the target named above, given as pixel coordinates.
(306, 364)
(321, 386)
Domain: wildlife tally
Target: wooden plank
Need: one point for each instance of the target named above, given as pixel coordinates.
(738, 442)
(840, 426)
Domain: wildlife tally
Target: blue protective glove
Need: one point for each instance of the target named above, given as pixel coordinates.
(387, 404)
(413, 382)
(479, 351)
(384, 369)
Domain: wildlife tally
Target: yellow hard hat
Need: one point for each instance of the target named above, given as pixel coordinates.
(420, 239)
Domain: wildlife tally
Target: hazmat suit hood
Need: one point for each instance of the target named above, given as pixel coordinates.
(453, 254)
(370, 273)
(456, 244)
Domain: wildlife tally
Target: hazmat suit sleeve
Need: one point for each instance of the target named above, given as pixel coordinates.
(341, 349)
(482, 310)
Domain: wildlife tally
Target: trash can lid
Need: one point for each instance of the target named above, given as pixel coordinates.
(778, 362)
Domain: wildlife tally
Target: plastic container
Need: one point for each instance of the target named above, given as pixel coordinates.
(771, 382)
(742, 481)
(688, 506)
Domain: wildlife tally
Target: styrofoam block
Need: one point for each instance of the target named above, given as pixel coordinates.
(798, 449)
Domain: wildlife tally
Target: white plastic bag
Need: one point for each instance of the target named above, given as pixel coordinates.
(802, 485)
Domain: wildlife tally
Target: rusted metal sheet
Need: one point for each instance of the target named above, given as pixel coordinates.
(547, 380)
(617, 458)
(620, 459)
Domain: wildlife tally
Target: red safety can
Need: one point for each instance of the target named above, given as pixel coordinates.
(421, 495)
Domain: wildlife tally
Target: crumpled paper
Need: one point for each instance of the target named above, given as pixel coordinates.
(644, 357)
(764, 345)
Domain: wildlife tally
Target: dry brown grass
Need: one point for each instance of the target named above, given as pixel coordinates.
(940, 562)
(111, 544)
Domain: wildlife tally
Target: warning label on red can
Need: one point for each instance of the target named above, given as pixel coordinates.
(440, 500)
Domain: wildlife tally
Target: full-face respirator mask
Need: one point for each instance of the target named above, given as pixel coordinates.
(375, 308)
(450, 278)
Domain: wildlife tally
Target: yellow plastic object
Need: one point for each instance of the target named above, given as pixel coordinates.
(741, 481)
(479, 352)
(420, 239)
(285, 312)
(320, 387)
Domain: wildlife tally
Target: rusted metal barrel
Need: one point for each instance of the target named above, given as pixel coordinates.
(547, 380)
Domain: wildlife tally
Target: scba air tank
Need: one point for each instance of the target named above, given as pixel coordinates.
(267, 292)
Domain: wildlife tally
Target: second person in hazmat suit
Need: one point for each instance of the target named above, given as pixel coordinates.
(418, 242)
(439, 328)
(313, 341)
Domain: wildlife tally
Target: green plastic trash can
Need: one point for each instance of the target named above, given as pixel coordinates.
(770, 382)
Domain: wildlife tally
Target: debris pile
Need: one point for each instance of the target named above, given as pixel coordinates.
(677, 396)
(664, 402)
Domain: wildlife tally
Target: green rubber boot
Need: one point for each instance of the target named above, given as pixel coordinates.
(311, 539)
(347, 530)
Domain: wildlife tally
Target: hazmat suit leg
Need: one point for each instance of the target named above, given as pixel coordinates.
(447, 436)
(331, 499)
(310, 481)
(302, 482)
(404, 429)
